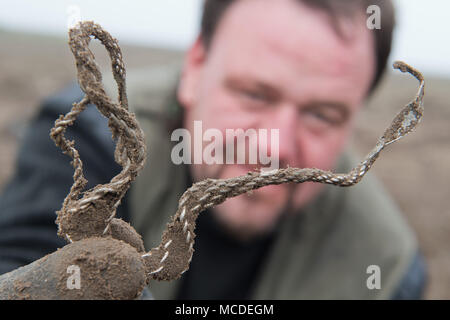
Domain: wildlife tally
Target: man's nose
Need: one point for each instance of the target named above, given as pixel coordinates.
(285, 118)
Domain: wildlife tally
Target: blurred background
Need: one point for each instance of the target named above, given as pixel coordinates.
(36, 62)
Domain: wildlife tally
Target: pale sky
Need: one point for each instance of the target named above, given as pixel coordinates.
(422, 37)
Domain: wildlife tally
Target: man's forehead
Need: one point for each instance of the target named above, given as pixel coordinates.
(294, 29)
(288, 34)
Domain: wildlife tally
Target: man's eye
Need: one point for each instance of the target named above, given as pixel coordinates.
(254, 95)
(321, 117)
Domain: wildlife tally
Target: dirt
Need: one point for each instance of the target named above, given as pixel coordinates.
(415, 170)
(122, 230)
(108, 269)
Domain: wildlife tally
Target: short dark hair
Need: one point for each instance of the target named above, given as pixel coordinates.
(213, 11)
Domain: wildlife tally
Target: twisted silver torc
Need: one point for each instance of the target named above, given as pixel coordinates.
(91, 213)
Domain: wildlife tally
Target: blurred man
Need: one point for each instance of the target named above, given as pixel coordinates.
(304, 67)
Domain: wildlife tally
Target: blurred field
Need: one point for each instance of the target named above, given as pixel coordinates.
(415, 170)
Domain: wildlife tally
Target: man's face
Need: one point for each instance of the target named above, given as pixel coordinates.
(277, 64)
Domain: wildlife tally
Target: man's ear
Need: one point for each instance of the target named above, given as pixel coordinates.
(191, 73)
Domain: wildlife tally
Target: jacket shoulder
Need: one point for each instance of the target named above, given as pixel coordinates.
(375, 229)
(326, 250)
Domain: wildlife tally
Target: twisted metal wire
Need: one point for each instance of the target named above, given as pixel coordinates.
(211, 192)
(172, 257)
(130, 150)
